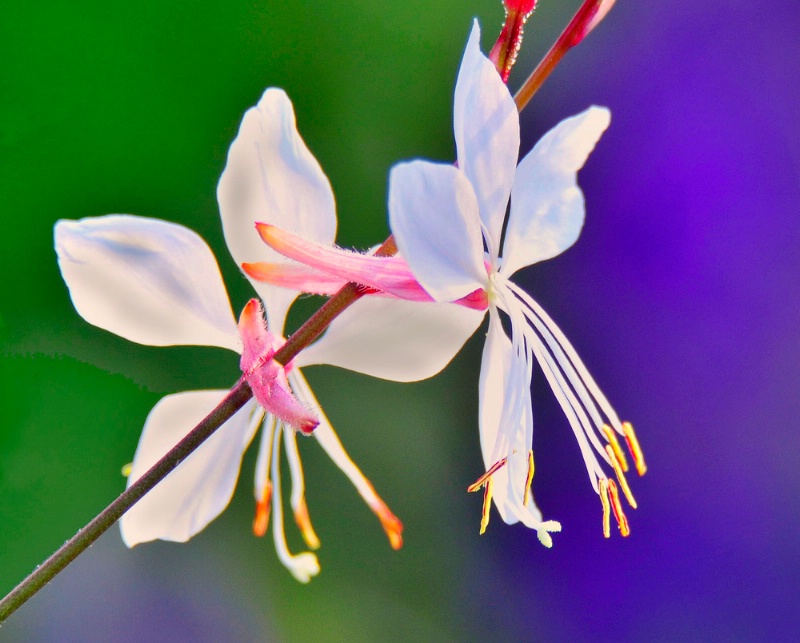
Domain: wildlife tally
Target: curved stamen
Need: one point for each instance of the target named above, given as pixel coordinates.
(331, 444)
(302, 566)
(297, 497)
(574, 411)
(585, 376)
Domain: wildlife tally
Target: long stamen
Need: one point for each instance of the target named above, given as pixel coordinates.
(529, 479)
(616, 505)
(263, 507)
(330, 442)
(602, 487)
(487, 504)
(305, 565)
(634, 448)
(611, 436)
(298, 499)
(571, 409)
(475, 486)
(263, 490)
(581, 426)
(620, 476)
(577, 384)
(563, 342)
(567, 376)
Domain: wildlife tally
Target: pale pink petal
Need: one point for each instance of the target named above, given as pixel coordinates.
(486, 125)
(547, 208)
(147, 280)
(272, 176)
(294, 276)
(394, 339)
(200, 487)
(388, 274)
(434, 218)
(265, 376)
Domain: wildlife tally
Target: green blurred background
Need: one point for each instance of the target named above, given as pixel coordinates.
(681, 296)
(130, 108)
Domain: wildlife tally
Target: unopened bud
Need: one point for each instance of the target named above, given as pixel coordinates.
(522, 6)
(588, 17)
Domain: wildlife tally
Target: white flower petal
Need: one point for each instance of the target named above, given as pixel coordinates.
(394, 339)
(199, 489)
(272, 177)
(147, 280)
(434, 218)
(499, 439)
(547, 208)
(495, 366)
(486, 126)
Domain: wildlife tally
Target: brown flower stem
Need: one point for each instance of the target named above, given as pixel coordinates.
(81, 541)
(234, 401)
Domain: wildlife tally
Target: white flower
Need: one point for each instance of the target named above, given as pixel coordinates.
(157, 283)
(448, 222)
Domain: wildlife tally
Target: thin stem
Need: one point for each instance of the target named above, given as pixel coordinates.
(234, 400)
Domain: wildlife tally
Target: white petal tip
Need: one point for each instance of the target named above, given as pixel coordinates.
(599, 117)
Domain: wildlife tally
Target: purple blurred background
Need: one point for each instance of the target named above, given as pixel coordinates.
(682, 297)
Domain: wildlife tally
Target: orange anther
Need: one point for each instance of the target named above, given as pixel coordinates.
(616, 505)
(263, 506)
(391, 524)
(634, 448)
(303, 521)
(487, 504)
(528, 480)
(620, 476)
(482, 480)
(602, 487)
(611, 436)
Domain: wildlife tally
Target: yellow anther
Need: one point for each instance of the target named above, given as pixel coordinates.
(616, 505)
(304, 524)
(602, 487)
(528, 480)
(487, 504)
(263, 507)
(620, 476)
(634, 448)
(126, 469)
(611, 436)
(486, 476)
